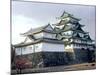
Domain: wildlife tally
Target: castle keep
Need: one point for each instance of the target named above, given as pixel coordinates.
(62, 43)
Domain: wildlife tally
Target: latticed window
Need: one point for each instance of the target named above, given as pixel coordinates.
(18, 51)
(24, 48)
(36, 47)
(30, 48)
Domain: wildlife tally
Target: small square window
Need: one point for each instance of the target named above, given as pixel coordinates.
(36, 47)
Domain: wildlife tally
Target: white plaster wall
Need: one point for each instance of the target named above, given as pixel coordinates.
(53, 47)
(49, 35)
(39, 35)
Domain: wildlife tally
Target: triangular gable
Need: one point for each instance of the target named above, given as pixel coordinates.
(48, 27)
(27, 40)
(62, 22)
(65, 14)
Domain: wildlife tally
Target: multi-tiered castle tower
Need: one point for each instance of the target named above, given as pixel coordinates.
(77, 42)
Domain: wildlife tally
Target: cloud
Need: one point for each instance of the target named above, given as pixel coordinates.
(21, 24)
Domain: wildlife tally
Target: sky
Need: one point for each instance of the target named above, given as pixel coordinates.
(27, 15)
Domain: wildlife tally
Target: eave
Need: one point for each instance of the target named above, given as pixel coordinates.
(46, 40)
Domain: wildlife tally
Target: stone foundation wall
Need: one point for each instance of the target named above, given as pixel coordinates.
(55, 58)
(84, 55)
(81, 56)
(46, 59)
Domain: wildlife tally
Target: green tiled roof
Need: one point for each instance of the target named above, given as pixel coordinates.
(66, 14)
(39, 29)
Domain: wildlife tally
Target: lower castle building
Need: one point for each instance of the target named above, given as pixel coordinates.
(41, 48)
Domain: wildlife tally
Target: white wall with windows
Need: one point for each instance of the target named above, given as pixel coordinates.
(39, 47)
(78, 46)
(45, 35)
(49, 35)
(18, 51)
(68, 33)
(77, 41)
(89, 42)
(29, 49)
(24, 50)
